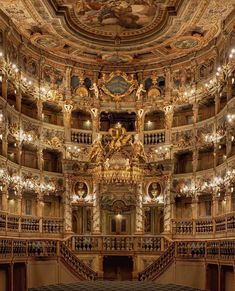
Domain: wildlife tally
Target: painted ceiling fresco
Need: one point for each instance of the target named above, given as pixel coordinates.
(116, 15)
(119, 32)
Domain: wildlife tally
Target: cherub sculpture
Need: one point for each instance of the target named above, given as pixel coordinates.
(139, 91)
(95, 89)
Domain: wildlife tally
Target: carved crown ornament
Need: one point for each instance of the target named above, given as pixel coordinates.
(118, 157)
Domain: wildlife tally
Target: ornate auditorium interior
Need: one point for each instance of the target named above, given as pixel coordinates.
(117, 145)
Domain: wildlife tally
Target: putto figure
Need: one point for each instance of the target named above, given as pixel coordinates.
(139, 92)
(96, 90)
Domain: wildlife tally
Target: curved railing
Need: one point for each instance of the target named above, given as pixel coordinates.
(209, 250)
(159, 266)
(29, 224)
(152, 137)
(223, 226)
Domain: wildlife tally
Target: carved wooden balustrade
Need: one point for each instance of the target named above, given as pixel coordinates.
(154, 138)
(76, 266)
(29, 224)
(210, 250)
(11, 249)
(111, 243)
(14, 248)
(219, 226)
(159, 266)
(207, 250)
(81, 136)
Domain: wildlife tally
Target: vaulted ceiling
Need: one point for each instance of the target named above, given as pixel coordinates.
(119, 31)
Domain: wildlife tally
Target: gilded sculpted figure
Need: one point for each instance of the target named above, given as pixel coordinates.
(96, 90)
(138, 149)
(97, 150)
(119, 138)
(139, 92)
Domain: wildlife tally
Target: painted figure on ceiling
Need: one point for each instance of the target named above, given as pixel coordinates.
(110, 14)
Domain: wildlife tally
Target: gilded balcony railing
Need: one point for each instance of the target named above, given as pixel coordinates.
(222, 225)
(81, 136)
(29, 224)
(152, 138)
(210, 250)
(116, 243)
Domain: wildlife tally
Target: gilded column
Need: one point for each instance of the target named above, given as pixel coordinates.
(139, 210)
(195, 207)
(167, 207)
(68, 81)
(67, 111)
(67, 206)
(169, 114)
(39, 109)
(228, 142)
(229, 88)
(39, 204)
(195, 112)
(95, 122)
(40, 161)
(214, 206)
(19, 203)
(39, 207)
(5, 198)
(140, 124)
(19, 153)
(195, 159)
(217, 103)
(4, 86)
(5, 143)
(96, 227)
(18, 100)
(228, 197)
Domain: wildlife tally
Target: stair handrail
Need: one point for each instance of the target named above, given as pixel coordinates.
(76, 266)
(159, 265)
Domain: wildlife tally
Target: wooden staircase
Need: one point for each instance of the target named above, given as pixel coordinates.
(159, 266)
(76, 266)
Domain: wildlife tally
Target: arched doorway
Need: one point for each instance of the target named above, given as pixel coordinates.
(118, 268)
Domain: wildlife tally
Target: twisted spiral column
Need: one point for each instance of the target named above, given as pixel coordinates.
(96, 227)
(139, 209)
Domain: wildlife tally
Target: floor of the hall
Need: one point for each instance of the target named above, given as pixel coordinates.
(114, 285)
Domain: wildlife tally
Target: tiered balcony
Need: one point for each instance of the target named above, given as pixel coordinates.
(11, 224)
(221, 226)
